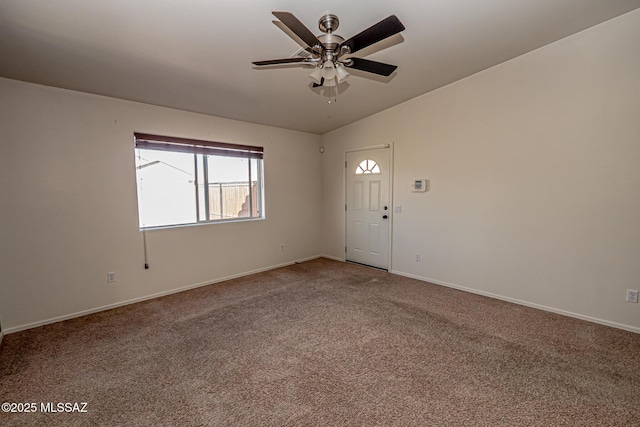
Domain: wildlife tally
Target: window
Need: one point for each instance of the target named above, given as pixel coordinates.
(185, 181)
(367, 166)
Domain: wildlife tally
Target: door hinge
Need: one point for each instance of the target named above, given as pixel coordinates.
(345, 164)
(345, 207)
(345, 249)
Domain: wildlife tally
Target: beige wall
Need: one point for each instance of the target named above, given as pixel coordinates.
(69, 208)
(535, 177)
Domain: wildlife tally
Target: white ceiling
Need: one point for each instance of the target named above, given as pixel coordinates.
(196, 55)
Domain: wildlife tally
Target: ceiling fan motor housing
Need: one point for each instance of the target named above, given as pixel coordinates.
(330, 43)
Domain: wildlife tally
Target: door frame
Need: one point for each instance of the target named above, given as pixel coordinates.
(388, 146)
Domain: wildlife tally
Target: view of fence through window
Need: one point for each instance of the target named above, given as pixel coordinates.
(176, 188)
(231, 200)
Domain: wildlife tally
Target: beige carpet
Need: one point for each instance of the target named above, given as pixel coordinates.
(324, 343)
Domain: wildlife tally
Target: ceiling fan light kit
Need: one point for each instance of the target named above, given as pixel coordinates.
(330, 54)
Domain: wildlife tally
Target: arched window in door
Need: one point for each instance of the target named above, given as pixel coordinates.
(367, 167)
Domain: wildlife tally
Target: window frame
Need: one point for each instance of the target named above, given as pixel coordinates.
(204, 148)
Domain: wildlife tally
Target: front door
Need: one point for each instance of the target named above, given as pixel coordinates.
(368, 207)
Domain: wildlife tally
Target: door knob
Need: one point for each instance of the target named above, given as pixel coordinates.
(385, 216)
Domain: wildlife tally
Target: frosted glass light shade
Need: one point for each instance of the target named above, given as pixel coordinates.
(316, 75)
(328, 70)
(341, 73)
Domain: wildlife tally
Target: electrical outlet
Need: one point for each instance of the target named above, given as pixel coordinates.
(111, 277)
(632, 295)
(418, 257)
(281, 247)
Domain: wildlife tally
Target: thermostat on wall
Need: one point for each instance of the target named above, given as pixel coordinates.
(420, 185)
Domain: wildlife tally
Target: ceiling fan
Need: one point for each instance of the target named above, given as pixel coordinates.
(330, 54)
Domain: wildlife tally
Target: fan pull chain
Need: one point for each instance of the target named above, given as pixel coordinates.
(335, 98)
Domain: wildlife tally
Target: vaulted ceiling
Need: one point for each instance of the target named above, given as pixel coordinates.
(196, 55)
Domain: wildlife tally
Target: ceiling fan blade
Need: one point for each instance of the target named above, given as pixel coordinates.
(372, 66)
(280, 61)
(377, 32)
(298, 28)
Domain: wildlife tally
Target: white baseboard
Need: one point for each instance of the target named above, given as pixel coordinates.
(1, 336)
(148, 297)
(333, 258)
(235, 276)
(311, 258)
(521, 302)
